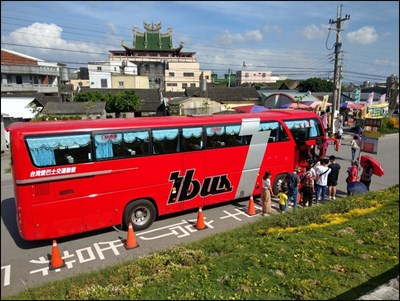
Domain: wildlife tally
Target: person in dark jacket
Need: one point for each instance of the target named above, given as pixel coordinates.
(333, 177)
(293, 180)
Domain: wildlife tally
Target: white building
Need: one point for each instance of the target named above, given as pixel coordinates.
(255, 76)
(101, 73)
(22, 73)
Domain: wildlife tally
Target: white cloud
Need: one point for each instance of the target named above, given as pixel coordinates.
(111, 28)
(46, 35)
(274, 28)
(248, 36)
(364, 36)
(314, 32)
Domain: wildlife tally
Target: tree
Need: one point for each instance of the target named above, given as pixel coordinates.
(316, 85)
(125, 101)
(90, 96)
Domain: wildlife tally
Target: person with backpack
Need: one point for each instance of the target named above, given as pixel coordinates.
(322, 171)
(293, 180)
(307, 181)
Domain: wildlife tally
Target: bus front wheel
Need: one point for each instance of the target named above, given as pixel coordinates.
(140, 213)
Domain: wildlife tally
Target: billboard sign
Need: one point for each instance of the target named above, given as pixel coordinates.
(357, 95)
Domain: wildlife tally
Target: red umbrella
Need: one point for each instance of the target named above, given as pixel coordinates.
(376, 166)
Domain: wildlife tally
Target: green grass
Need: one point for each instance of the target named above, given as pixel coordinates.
(336, 251)
(387, 127)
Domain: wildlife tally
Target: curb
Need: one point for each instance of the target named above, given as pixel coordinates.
(388, 291)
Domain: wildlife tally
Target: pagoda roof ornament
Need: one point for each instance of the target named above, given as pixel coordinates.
(152, 27)
(152, 40)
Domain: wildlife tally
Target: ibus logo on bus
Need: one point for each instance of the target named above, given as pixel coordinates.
(186, 188)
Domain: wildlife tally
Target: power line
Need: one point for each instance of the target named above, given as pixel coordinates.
(55, 49)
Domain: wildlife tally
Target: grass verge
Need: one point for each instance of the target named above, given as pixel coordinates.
(336, 251)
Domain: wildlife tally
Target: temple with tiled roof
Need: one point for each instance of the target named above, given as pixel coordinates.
(152, 42)
(167, 68)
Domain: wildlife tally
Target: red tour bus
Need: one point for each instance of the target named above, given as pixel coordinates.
(77, 176)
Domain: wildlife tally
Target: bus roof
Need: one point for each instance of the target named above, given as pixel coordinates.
(43, 127)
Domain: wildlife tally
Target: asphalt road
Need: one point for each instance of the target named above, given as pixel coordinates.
(26, 264)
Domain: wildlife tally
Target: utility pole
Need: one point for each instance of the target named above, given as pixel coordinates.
(340, 77)
(337, 73)
(229, 78)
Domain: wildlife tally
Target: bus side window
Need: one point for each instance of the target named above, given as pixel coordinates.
(136, 143)
(215, 136)
(245, 140)
(282, 135)
(277, 131)
(165, 141)
(232, 135)
(108, 145)
(53, 150)
(69, 159)
(232, 140)
(192, 139)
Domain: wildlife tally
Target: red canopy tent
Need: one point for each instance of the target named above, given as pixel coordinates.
(314, 103)
(250, 109)
(294, 105)
(352, 105)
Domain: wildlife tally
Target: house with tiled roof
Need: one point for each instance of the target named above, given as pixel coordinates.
(193, 106)
(151, 103)
(87, 110)
(228, 97)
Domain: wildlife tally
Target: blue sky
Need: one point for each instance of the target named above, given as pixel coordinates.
(290, 38)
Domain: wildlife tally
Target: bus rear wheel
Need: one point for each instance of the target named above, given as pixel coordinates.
(140, 213)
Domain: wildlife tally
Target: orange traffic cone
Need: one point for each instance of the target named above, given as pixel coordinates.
(130, 242)
(200, 220)
(56, 260)
(251, 210)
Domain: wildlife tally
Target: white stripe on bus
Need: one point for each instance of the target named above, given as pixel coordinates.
(255, 155)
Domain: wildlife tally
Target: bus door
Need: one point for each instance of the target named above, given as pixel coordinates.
(279, 153)
(230, 169)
